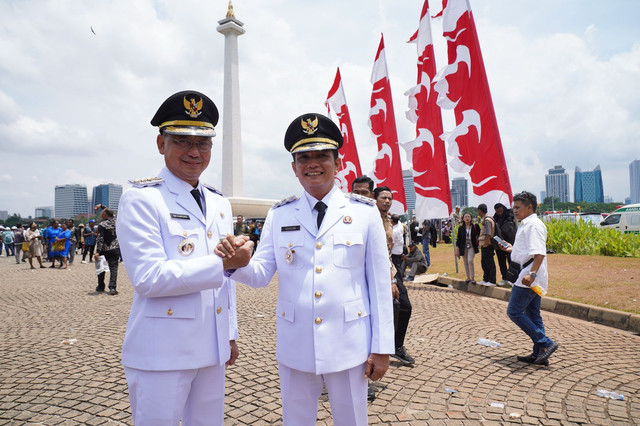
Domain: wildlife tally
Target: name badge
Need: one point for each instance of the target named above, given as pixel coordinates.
(180, 216)
(290, 228)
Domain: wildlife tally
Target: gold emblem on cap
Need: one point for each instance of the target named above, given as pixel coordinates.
(309, 126)
(193, 108)
(186, 247)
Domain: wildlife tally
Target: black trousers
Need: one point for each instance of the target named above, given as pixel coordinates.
(488, 264)
(504, 260)
(396, 259)
(88, 249)
(113, 258)
(404, 314)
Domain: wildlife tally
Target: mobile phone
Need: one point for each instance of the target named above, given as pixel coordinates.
(500, 241)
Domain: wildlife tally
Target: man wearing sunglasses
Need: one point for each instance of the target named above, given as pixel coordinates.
(182, 325)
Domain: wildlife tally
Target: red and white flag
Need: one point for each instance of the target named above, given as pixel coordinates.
(462, 86)
(427, 151)
(348, 153)
(387, 169)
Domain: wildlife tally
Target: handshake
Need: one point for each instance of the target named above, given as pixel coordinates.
(234, 251)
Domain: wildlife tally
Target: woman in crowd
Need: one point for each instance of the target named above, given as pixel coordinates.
(50, 234)
(467, 245)
(62, 244)
(33, 237)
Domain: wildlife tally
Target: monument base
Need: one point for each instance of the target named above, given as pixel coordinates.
(251, 208)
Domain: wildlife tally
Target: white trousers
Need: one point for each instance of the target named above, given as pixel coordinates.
(161, 398)
(467, 259)
(300, 392)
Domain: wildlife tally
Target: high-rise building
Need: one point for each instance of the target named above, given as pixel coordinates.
(70, 200)
(627, 200)
(543, 195)
(634, 178)
(4, 215)
(46, 211)
(557, 184)
(459, 194)
(107, 194)
(409, 189)
(588, 186)
(608, 199)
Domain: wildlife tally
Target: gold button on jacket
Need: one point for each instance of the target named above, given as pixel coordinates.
(318, 294)
(219, 309)
(318, 320)
(318, 269)
(170, 312)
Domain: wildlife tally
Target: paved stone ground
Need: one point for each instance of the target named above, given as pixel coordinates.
(44, 381)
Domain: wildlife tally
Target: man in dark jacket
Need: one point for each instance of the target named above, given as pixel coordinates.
(506, 221)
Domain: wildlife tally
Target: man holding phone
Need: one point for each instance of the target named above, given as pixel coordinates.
(524, 303)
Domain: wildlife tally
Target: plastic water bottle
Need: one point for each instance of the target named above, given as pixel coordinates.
(490, 343)
(539, 290)
(610, 394)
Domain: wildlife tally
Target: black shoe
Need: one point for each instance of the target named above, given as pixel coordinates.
(402, 356)
(113, 291)
(100, 289)
(530, 359)
(545, 354)
(371, 393)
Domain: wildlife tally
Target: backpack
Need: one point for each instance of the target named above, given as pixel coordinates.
(8, 237)
(508, 230)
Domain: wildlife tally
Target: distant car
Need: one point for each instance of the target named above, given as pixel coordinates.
(592, 218)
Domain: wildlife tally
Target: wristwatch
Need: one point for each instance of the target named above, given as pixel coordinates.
(533, 274)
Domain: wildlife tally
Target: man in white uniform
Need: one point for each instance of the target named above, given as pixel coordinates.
(182, 325)
(334, 310)
(529, 250)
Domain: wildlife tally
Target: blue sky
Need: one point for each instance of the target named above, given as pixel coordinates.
(75, 107)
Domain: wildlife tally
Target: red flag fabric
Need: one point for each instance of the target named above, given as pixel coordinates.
(387, 169)
(348, 153)
(462, 86)
(427, 152)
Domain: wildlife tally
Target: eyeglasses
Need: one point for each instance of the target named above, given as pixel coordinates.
(185, 144)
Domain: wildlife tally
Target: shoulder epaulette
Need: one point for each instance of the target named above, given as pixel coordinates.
(362, 199)
(212, 189)
(284, 202)
(141, 183)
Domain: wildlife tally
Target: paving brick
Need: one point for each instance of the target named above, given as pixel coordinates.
(43, 381)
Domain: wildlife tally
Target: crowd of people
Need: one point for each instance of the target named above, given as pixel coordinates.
(62, 240)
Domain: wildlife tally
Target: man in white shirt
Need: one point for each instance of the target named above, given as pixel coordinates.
(529, 250)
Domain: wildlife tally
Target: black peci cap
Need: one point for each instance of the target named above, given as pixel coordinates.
(187, 113)
(312, 132)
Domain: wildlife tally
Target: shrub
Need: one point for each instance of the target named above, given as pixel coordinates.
(584, 238)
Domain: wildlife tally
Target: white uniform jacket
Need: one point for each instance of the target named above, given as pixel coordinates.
(334, 304)
(184, 311)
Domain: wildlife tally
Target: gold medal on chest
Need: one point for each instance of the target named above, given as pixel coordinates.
(347, 219)
(288, 256)
(186, 247)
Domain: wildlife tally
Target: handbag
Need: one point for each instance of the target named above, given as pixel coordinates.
(514, 270)
(101, 265)
(25, 246)
(59, 245)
